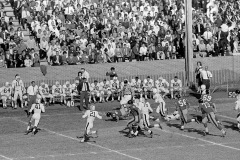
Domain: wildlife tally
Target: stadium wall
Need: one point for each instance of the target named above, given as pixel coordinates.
(223, 68)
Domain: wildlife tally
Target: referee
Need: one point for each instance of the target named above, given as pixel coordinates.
(206, 75)
(32, 94)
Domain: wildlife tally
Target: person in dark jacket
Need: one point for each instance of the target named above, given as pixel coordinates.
(84, 89)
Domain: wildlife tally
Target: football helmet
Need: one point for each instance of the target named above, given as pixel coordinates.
(130, 102)
(154, 90)
(178, 96)
(237, 91)
(92, 107)
(7, 84)
(200, 100)
(203, 87)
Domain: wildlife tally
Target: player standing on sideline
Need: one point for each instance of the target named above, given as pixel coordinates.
(6, 94)
(115, 88)
(209, 115)
(18, 87)
(175, 87)
(182, 107)
(237, 108)
(37, 108)
(90, 115)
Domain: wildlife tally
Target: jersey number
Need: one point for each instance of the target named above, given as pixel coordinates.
(206, 104)
(207, 98)
(37, 106)
(182, 102)
(92, 114)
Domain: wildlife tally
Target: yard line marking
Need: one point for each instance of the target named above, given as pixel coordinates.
(96, 145)
(4, 157)
(200, 139)
(226, 117)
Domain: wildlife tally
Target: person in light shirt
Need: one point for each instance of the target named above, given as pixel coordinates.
(5, 93)
(18, 87)
(176, 87)
(28, 62)
(37, 108)
(90, 115)
(142, 52)
(206, 75)
(32, 92)
(162, 86)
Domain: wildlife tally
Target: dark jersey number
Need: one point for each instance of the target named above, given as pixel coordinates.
(92, 114)
(37, 106)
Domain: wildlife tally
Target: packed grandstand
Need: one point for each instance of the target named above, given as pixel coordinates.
(72, 32)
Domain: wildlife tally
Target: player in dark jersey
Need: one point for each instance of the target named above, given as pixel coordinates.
(209, 115)
(133, 124)
(182, 107)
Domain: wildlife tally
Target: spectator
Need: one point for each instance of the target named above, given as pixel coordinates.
(112, 73)
(71, 60)
(28, 62)
(57, 59)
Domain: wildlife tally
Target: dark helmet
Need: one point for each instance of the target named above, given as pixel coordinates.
(130, 102)
(178, 96)
(200, 100)
(237, 91)
(108, 114)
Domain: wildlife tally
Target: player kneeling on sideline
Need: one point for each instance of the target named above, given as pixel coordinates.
(57, 92)
(209, 115)
(145, 109)
(6, 94)
(67, 92)
(90, 115)
(237, 108)
(37, 108)
(44, 92)
(115, 88)
(182, 107)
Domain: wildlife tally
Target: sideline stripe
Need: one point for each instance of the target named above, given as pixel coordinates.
(96, 145)
(200, 139)
(4, 157)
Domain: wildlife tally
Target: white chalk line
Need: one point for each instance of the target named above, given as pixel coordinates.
(96, 145)
(5, 158)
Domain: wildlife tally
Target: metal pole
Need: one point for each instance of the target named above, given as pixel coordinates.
(188, 40)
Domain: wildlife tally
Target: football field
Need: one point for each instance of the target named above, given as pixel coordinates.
(60, 125)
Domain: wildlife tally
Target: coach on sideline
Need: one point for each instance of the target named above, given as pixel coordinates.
(83, 89)
(32, 94)
(206, 75)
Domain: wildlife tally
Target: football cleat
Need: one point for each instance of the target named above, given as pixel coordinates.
(224, 133)
(151, 134)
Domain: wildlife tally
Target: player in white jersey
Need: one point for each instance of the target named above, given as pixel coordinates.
(67, 91)
(105, 89)
(162, 86)
(176, 87)
(6, 92)
(136, 84)
(57, 92)
(161, 109)
(145, 108)
(37, 108)
(115, 88)
(237, 108)
(127, 93)
(44, 92)
(148, 85)
(95, 91)
(18, 87)
(74, 88)
(90, 115)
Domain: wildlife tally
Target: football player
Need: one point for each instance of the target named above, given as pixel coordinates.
(90, 115)
(176, 87)
(145, 109)
(57, 92)
(37, 108)
(127, 93)
(237, 108)
(115, 88)
(162, 86)
(133, 124)
(148, 85)
(18, 87)
(105, 89)
(67, 92)
(182, 107)
(6, 94)
(44, 92)
(209, 115)
(95, 91)
(74, 88)
(136, 84)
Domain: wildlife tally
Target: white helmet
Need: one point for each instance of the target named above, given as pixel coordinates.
(154, 91)
(142, 100)
(203, 87)
(38, 99)
(7, 84)
(57, 83)
(92, 107)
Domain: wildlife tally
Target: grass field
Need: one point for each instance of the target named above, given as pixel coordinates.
(60, 126)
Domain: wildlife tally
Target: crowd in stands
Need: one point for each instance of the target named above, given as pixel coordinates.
(70, 32)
